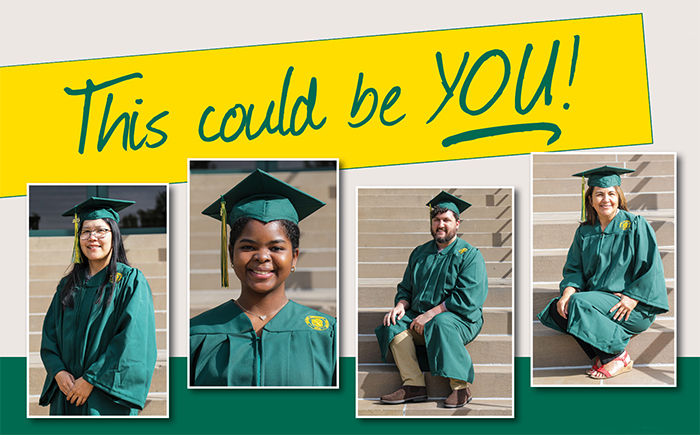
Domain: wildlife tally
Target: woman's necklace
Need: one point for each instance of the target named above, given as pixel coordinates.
(258, 315)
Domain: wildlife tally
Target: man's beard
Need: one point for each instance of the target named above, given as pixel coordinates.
(449, 235)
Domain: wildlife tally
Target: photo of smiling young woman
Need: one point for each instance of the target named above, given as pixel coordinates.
(97, 300)
(263, 306)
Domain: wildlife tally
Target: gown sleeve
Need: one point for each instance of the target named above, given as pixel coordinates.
(648, 284)
(404, 290)
(573, 268)
(125, 369)
(50, 351)
(471, 288)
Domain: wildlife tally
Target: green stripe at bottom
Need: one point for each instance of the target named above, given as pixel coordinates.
(537, 410)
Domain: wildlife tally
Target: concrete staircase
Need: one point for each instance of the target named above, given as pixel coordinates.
(391, 223)
(49, 259)
(556, 358)
(313, 284)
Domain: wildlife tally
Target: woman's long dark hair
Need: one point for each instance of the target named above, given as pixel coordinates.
(591, 214)
(76, 276)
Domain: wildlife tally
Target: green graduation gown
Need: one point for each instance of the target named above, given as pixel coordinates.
(456, 276)
(296, 348)
(622, 259)
(113, 348)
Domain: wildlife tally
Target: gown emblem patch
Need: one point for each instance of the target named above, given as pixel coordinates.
(119, 277)
(317, 323)
(624, 225)
(463, 250)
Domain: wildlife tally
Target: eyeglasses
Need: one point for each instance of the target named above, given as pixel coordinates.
(100, 233)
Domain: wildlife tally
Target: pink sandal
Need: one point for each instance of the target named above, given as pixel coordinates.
(606, 374)
(595, 367)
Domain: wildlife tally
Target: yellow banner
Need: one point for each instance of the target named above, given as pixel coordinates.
(370, 101)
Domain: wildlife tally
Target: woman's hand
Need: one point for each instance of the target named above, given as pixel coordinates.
(65, 381)
(563, 304)
(624, 307)
(80, 392)
(396, 313)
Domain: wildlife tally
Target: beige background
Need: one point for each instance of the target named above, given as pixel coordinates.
(37, 31)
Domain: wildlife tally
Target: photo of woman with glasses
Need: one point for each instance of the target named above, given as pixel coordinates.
(98, 338)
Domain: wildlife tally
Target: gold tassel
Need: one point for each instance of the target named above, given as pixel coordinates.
(583, 198)
(430, 218)
(76, 240)
(224, 245)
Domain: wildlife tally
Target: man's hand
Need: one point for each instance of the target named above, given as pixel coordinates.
(80, 392)
(419, 322)
(65, 381)
(396, 313)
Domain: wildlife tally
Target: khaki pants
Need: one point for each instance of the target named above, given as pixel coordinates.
(403, 346)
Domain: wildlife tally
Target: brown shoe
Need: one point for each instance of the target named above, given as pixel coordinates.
(458, 398)
(407, 393)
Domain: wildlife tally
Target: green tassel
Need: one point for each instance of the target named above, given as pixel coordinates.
(583, 198)
(76, 241)
(224, 245)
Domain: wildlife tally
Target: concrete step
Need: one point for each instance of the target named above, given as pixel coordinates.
(644, 167)
(398, 254)
(553, 186)
(490, 381)
(36, 321)
(600, 159)
(554, 349)
(641, 375)
(434, 408)
(399, 199)
(47, 287)
(420, 211)
(559, 235)
(301, 279)
(203, 194)
(40, 304)
(48, 271)
(159, 382)
(317, 183)
(396, 270)
(35, 340)
(411, 240)
(382, 296)
(496, 320)
(543, 293)
(310, 239)
(384, 226)
(65, 243)
(319, 221)
(63, 257)
(486, 349)
(156, 405)
(429, 192)
(572, 202)
(323, 257)
(547, 265)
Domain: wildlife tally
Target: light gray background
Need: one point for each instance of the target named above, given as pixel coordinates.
(47, 31)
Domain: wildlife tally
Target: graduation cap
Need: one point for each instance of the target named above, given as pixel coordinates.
(604, 176)
(263, 197)
(90, 209)
(448, 201)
